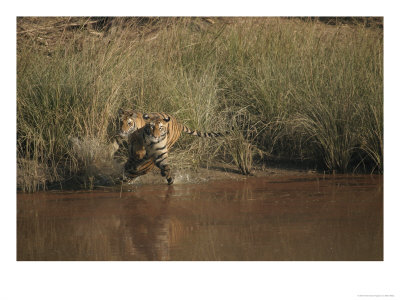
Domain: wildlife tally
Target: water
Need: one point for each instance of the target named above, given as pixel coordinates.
(312, 217)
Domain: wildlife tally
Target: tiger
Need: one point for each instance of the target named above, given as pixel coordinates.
(132, 120)
(149, 145)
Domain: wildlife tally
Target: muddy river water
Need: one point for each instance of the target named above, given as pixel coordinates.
(309, 217)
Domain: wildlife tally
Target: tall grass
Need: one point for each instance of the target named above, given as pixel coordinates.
(309, 91)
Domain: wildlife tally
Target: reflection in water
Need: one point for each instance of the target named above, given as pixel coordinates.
(147, 232)
(277, 218)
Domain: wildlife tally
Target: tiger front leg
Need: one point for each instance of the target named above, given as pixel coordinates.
(166, 172)
(134, 166)
(138, 152)
(162, 164)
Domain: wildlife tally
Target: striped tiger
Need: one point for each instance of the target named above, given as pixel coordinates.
(149, 145)
(132, 120)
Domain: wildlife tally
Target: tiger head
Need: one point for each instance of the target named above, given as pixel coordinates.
(130, 121)
(156, 128)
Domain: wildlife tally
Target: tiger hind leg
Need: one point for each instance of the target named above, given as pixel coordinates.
(134, 168)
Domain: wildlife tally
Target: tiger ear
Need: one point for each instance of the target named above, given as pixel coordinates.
(120, 111)
(146, 116)
(167, 119)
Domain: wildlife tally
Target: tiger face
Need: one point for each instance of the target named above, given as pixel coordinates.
(130, 121)
(156, 129)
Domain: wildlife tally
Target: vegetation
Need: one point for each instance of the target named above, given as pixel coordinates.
(292, 89)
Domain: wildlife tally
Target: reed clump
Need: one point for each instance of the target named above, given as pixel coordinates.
(310, 91)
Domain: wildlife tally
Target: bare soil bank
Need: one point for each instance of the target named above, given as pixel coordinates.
(213, 173)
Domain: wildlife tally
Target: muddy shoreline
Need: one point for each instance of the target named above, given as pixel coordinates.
(217, 173)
